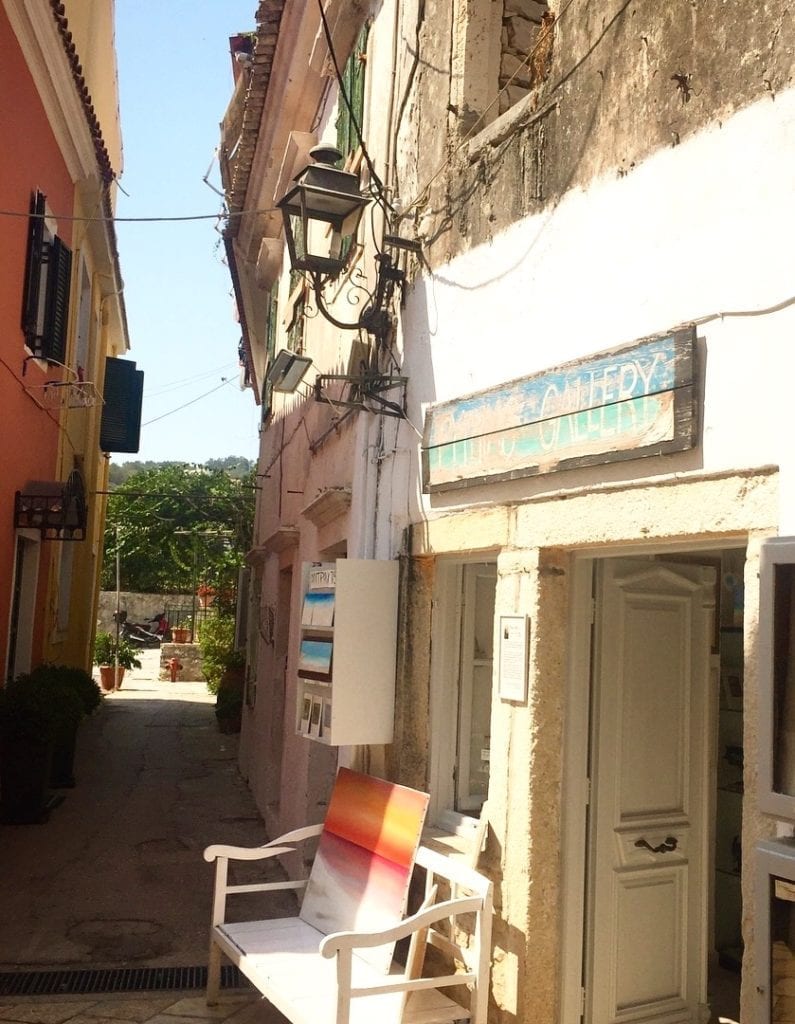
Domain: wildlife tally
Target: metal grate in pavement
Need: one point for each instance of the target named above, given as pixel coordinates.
(115, 979)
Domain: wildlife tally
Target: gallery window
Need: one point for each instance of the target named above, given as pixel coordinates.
(463, 665)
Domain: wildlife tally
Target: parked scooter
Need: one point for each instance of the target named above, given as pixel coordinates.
(136, 633)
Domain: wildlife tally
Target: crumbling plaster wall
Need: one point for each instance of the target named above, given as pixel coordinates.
(624, 79)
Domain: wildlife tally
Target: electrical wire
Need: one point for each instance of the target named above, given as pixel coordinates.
(175, 385)
(193, 401)
(139, 220)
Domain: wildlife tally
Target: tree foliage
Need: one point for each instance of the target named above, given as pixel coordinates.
(236, 466)
(178, 526)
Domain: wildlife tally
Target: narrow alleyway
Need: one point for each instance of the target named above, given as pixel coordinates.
(115, 878)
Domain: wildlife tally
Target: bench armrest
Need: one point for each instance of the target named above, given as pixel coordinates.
(275, 848)
(336, 941)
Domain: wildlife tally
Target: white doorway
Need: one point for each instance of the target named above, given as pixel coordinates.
(643, 818)
(647, 915)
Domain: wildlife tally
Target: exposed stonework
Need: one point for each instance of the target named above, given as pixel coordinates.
(613, 83)
(522, 22)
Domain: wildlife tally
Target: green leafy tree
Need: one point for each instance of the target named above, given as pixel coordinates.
(177, 526)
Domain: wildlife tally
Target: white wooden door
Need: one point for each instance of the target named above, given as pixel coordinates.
(649, 895)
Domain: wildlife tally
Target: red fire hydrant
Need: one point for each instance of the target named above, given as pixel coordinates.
(174, 666)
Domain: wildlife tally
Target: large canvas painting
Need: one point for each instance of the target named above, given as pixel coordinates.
(361, 873)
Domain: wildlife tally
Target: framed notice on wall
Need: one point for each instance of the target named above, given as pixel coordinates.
(514, 638)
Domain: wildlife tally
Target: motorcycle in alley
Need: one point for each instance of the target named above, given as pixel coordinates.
(138, 634)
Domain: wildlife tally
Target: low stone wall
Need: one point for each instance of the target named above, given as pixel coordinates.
(188, 655)
(139, 607)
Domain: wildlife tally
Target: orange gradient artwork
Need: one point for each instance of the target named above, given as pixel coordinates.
(365, 857)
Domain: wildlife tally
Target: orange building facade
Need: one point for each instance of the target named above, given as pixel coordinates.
(61, 315)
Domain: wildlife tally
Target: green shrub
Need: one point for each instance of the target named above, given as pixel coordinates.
(105, 651)
(34, 708)
(74, 680)
(217, 644)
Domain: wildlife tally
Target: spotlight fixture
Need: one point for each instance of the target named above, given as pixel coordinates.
(287, 371)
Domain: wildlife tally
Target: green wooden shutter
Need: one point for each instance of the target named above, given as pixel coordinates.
(270, 348)
(48, 264)
(353, 83)
(56, 316)
(35, 257)
(120, 429)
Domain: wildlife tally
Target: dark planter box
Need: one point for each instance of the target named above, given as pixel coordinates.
(25, 767)
(62, 772)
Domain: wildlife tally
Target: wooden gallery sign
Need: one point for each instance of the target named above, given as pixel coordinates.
(625, 404)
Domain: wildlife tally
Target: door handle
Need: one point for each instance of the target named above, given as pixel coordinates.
(666, 846)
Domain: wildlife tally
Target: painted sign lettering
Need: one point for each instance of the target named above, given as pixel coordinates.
(628, 403)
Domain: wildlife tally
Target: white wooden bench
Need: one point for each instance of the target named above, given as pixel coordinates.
(317, 976)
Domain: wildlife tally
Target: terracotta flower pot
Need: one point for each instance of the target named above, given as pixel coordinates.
(180, 636)
(106, 677)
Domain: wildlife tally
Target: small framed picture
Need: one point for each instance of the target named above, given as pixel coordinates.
(306, 714)
(315, 716)
(326, 725)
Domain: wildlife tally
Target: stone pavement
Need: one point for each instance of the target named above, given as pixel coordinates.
(115, 878)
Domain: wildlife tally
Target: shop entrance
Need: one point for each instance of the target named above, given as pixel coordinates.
(661, 912)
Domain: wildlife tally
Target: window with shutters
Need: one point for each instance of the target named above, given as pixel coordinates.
(349, 118)
(45, 300)
(349, 121)
(270, 348)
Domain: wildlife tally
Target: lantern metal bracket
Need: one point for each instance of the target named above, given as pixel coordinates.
(364, 391)
(375, 318)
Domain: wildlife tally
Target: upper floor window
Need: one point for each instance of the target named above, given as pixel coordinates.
(270, 348)
(353, 74)
(501, 53)
(45, 300)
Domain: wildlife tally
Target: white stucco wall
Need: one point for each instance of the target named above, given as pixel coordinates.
(697, 229)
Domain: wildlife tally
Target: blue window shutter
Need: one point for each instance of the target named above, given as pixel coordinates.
(120, 430)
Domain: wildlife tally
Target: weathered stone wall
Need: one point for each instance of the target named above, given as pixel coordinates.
(618, 81)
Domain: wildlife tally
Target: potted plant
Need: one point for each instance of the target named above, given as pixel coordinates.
(229, 707)
(27, 728)
(72, 694)
(205, 594)
(106, 649)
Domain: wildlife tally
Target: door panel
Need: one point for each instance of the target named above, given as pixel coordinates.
(648, 904)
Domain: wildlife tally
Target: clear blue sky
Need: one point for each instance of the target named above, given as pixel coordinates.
(175, 81)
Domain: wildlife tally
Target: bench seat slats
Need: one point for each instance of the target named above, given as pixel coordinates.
(280, 959)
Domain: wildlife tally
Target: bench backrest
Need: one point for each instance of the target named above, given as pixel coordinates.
(361, 872)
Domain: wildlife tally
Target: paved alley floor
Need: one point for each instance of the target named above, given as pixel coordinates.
(115, 878)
